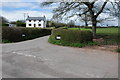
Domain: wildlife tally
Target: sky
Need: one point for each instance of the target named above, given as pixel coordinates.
(15, 9)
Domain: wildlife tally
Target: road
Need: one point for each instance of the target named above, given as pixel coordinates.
(39, 59)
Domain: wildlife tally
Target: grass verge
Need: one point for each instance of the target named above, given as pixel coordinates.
(6, 41)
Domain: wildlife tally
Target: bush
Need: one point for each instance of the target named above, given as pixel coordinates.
(76, 38)
(20, 24)
(15, 34)
(118, 50)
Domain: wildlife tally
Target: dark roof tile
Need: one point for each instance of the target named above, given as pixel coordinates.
(35, 18)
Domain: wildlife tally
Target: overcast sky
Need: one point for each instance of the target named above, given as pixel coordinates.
(14, 10)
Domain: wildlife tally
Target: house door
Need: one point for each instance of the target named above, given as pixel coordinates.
(34, 25)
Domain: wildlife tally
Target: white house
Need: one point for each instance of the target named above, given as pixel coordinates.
(36, 22)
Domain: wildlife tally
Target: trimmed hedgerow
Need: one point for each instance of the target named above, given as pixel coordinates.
(15, 34)
(76, 38)
(118, 50)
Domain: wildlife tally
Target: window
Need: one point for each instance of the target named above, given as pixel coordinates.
(29, 24)
(34, 25)
(39, 24)
(29, 20)
(34, 20)
(39, 20)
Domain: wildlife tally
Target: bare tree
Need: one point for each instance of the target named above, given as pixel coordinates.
(71, 23)
(79, 8)
(86, 19)
(115, 11)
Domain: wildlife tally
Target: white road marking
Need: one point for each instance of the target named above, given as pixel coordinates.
(28, 55)
(92, 75)
(20, 53)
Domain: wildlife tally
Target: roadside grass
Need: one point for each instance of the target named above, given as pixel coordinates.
(63, 43)
(6, 41)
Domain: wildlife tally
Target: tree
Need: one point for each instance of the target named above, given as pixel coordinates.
(50, 24)
(79, 8)
(85, 18)
(71, 23)
(116, 9)
(3, 21)
(116, 13)
(20, 23)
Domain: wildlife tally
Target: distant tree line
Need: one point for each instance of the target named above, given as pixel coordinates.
(19, 23)
(4, 22)
(70, 24)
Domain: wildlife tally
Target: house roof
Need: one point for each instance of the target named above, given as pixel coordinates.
(36, 18)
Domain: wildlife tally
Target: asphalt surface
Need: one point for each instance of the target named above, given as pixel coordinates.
(39, 59)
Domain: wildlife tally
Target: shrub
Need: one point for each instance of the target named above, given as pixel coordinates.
(76, 38)
(118, 50)
(6, 41)
(20, 23)
(15, 34)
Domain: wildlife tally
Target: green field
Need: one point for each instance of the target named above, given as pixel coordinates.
(102, 30)
(110, 35)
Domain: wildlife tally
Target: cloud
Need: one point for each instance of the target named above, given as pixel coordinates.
(19, 15)
(22, 0)
(26, 5)
(11, 1)
(18, 5)
(15, 10)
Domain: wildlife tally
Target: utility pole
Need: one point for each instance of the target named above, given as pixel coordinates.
(25, 14)
(119, 24)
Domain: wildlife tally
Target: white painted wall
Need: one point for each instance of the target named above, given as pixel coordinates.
(37, 22)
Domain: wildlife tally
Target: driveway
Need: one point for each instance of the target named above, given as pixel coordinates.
(39, 59)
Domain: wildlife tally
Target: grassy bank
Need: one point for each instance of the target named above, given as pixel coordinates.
(80, 45)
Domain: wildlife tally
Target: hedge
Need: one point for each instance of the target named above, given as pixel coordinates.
(77, 38)
(15, 34)
(118, 50)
